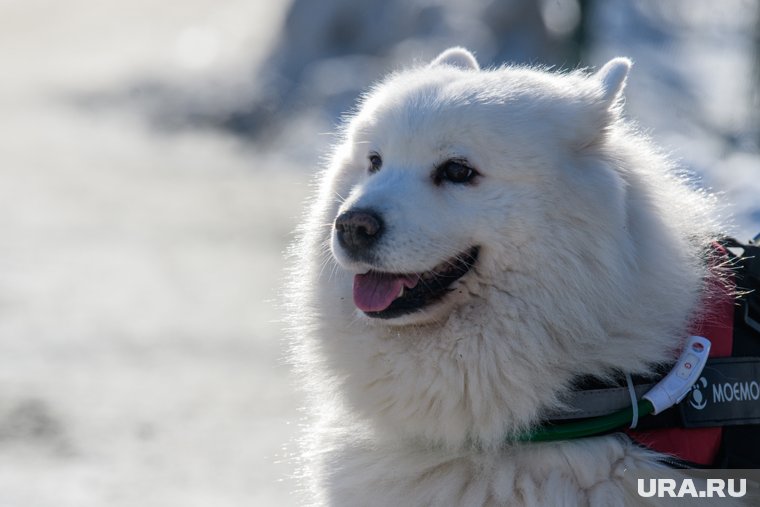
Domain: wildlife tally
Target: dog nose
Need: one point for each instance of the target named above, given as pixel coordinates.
(358, 230)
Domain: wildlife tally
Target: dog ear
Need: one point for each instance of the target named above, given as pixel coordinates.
(612, 77)
(603, 105)
(457, 57)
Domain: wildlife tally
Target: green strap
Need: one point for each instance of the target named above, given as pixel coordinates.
(591, 427)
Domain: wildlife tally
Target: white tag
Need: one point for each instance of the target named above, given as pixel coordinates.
(677, 384)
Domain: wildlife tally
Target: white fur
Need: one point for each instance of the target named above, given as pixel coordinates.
(458, 57)
(591, 261)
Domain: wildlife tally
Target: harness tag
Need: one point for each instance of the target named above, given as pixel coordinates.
(727, 393)
(679, 381)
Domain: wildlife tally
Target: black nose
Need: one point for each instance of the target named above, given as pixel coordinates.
(358, 230)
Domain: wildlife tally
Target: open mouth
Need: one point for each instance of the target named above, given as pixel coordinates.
(389, 295)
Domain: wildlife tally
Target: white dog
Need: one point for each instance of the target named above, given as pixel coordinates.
(480, 239)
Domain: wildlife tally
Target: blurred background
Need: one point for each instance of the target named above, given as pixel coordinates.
(154, 157)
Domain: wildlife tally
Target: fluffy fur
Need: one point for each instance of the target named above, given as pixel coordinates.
(591, 261)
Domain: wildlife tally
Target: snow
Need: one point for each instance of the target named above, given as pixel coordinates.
(140, 353)
(141, 346)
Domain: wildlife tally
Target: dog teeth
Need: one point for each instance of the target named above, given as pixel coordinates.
(400, 292)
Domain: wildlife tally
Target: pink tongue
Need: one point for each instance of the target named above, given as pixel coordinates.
(374, 292)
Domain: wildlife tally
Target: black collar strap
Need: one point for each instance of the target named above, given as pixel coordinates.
(726, 394)
(593, 398)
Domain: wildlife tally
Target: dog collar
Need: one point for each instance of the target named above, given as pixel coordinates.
(601, 410)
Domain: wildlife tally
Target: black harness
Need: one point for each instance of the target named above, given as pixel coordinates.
(740, 445)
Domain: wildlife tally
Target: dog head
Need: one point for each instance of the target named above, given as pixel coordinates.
(482, 236)
(448, 171)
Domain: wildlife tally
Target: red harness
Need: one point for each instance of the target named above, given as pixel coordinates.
(699, 445)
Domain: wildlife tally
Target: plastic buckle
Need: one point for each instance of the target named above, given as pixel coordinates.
(678, 383)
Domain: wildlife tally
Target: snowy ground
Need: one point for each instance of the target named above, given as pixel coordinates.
(140, 352)
(140, 357)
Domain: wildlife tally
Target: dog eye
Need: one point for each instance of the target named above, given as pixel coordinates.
(454, 171)
(375, 162)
